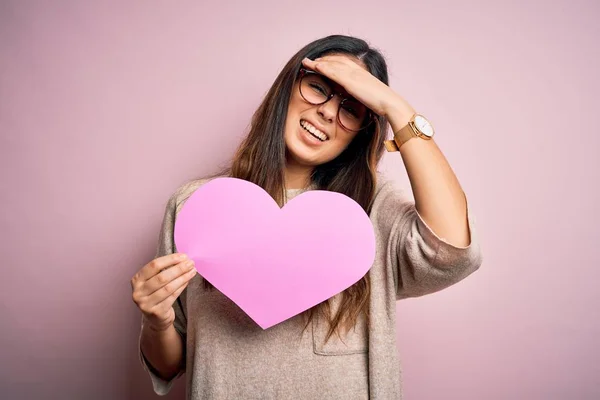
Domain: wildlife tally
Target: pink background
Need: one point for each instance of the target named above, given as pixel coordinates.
(106, 108)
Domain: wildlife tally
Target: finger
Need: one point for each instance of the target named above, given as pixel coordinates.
(168, 302)
(307, 62)
(158, 264)
(336, 60)
(332, 69)
(171, 287)
(166, 276)
(332, 58)
(315, 66)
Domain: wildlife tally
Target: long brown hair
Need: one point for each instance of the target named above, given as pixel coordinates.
(261, 158)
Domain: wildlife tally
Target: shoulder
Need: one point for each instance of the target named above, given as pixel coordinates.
(390, 195)
(382, 181)
(184, 191)
(385, 185)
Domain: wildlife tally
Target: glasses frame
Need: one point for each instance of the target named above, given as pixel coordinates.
(370, 117)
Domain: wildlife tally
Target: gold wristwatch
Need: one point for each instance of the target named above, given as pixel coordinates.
(418, 126)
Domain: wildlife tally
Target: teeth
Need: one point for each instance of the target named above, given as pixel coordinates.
(313, 130)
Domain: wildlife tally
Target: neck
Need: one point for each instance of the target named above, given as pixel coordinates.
(297, 176)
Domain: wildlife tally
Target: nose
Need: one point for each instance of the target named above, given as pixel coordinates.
(329, 109)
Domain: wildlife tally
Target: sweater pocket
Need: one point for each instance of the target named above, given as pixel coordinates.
(355, 341)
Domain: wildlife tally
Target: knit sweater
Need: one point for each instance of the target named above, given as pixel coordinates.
(228, 356)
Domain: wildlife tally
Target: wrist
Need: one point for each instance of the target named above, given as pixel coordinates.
(399, 115)
(400, 118)
(156, 328)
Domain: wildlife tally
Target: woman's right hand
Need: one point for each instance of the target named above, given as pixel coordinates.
(157, 285)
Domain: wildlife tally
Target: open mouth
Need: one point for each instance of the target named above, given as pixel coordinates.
(307, 126)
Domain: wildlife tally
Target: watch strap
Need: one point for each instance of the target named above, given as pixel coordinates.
(400, 137)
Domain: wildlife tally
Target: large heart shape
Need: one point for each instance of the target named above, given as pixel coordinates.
(273, 262)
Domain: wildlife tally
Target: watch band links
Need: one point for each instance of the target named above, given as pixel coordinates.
(402, 136)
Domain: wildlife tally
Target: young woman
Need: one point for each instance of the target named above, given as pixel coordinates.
(322, 126)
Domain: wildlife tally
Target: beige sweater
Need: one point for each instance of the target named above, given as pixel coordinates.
(228, 356)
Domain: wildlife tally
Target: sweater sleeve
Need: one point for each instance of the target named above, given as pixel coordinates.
(421, 262)
(166, 246)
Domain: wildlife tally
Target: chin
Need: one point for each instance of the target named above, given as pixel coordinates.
(304, 152)
(302, 157)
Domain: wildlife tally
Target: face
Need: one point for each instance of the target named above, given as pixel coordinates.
(313, 133)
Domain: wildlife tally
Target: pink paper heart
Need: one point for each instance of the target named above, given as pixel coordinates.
(273, 262)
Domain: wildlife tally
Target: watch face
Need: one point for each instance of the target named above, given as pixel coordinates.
(423, 125)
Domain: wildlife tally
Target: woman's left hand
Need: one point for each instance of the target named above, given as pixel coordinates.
(359, 83)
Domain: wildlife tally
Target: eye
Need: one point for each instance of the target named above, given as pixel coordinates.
(349, 109)
(319, 88)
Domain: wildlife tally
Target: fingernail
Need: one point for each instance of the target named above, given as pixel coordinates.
(182, 256)
(189, 264)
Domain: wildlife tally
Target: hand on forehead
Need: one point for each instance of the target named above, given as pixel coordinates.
(343, 58)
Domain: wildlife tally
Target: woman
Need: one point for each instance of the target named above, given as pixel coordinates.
(322, 125)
